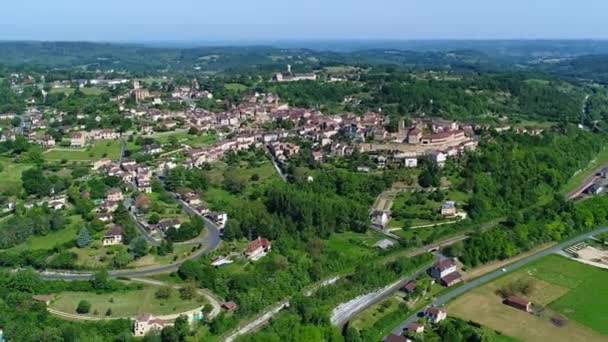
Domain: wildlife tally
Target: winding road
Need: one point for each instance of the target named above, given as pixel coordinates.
(493, 275)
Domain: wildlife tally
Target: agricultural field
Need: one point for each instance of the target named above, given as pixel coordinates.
(235, 87)
(10, 176)
(557, 287)
(101, 149)
(126, 304)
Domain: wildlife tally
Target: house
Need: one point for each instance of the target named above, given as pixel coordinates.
(192, 198)
(78, 139)
(451, 279)
(380, 218)
(448, 209)
(219, 218)
(518, 303)
(146, 323)
(165, 224)
(442, 268)
(113, 236)
(152, 149)
(414, 328)
(384, 244)
(411, 162)
(46, 299)
(104, 217)
(258, 248)
(101, 163)
(57, 203)
(410, 287)
(396, 338)
(603, 173)
(435, 315)
(108, 206)
(230, 306)
(114, 195)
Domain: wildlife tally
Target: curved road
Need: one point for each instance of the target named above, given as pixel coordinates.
(212, 241)
(493, 275)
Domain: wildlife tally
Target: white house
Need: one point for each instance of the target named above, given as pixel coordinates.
(146, 323)
(448, 209)
(380, 218)
(435, 315)
(258, 248)
(113, 236)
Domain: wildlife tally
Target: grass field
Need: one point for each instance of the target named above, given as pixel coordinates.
(70, 91)
(192, 140)
(54, 239)
(101, 149)
(599, 160)
(235, 87)
(10, 176)
(126, 304)
(564, 287)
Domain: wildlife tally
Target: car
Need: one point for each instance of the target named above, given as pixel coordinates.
(504, 270)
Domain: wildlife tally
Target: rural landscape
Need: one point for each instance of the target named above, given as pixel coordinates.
(399, 190)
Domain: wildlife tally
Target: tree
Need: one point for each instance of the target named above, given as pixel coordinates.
(83, 307)
(84, 238)
(182, 327)
(35, 182)
(101, 280)
(109, 312)
(168, 334)
(122, 259)
(138, 247)
(154, 218)
(187, 292)
(163, 293)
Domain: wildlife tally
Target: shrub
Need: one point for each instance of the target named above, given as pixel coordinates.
(83, 307)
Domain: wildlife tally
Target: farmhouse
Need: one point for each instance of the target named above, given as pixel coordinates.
(448, 209)
(435, 315)
(258, 248)
(146, 323)
(518, 303)
(113, 236)
(445, 272)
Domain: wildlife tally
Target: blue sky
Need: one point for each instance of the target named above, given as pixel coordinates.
(183, 20)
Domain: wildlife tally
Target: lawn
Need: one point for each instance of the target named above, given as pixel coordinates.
(577, 178)
(101, 149)
(235, 87)
(10, 176)
(70, 91)
(126, 304)
(197, 140)
(53, 239)
(562, 286)
(353, 245)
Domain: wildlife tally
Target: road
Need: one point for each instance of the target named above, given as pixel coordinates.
(493, 275)
(345, 311)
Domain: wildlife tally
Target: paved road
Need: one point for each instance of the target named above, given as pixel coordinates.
(493, 275)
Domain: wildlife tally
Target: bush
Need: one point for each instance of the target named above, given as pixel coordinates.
(83, 307)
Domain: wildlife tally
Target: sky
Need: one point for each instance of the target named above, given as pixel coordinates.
(267, 20)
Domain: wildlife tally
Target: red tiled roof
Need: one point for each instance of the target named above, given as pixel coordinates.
(444, 264)
(449, 278)
(258, 243)
(115, 230)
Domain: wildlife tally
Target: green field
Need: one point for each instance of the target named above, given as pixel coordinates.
(188, 139)
(101, 149)
(562, 286)
(70, 91)
(54, 239)
(126, 304)
(235, 87)
(10, 176)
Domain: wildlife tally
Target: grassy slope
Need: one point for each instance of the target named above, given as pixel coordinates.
(125, 304)
(101, 149)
